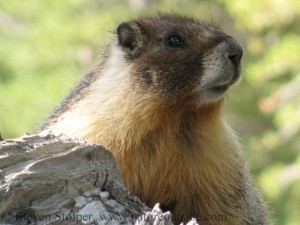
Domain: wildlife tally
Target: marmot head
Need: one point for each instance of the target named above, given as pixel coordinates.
(179, 59)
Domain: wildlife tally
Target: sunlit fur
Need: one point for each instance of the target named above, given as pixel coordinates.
(187, 160)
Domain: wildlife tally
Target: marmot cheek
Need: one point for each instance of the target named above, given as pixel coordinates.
(147, 78)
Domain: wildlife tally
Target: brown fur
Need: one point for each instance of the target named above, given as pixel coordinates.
(171, 146)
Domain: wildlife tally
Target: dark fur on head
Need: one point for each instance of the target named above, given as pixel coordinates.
(171, 72)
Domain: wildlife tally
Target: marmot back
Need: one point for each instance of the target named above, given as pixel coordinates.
(155, 101)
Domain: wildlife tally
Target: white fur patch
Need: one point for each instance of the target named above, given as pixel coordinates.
(82, 115)
(218, 70)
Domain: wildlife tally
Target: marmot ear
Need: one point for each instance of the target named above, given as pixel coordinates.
(130, 37)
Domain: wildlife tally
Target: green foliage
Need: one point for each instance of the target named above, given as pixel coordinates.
(45, 46)
(273, 47)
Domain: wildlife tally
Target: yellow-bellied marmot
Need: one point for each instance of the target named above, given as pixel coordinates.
(156, 101)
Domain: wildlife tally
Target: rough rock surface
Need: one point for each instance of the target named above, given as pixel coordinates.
(50, 178)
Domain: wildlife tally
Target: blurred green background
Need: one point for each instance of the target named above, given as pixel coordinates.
(46, 46)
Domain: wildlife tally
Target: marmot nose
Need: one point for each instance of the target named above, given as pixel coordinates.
(234, 51)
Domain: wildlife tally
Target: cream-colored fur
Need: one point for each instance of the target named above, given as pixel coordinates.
(166, 154)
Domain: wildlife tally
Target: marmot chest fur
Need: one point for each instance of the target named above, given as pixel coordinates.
(155, 101)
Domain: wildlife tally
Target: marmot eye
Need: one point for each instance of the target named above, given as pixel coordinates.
(174, 41)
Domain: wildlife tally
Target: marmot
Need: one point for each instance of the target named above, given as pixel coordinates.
(155, 101)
